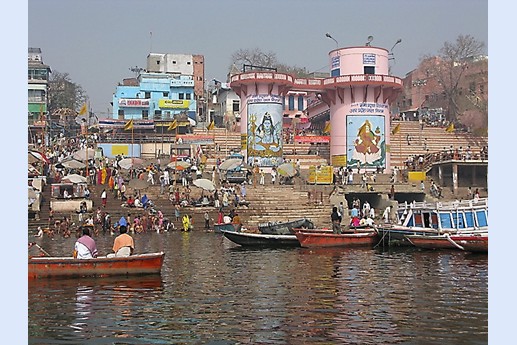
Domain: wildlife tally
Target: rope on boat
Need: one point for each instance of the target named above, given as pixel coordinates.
(453, 242)
(382, 239)
(38, 246)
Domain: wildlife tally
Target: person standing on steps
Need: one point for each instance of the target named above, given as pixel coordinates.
(104, 197)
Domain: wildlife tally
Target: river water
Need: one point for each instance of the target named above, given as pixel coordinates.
(212, 291)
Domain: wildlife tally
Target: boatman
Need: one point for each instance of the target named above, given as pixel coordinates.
(336, 221)
(85, 247)
(124, 244)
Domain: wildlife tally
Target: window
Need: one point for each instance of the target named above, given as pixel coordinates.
(369, 69)
(165, 94)
(300, 102)
(145, 114)
(188, 96)
(157, 114)
(121, 114)
(335, 72)
(291, 102)
(181, 95)
(188, 62)
(147, 95)
(174, 62)
(36, 96)
(236, 105)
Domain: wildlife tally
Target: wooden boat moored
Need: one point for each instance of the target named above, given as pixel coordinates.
(330, 239)
(472, 242)
(139, 264)
(261, 240)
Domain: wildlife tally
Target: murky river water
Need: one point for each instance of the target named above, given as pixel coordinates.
(212, 291)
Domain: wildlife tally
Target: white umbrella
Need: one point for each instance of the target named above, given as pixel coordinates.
(182, 164)
(73, 164)
(286, 169)
(74, 178)
(84, 154)
(230, 164)
(205, 184)
(130, 163)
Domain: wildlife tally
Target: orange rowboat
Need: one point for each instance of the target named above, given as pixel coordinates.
(44, 267)
(326, 239)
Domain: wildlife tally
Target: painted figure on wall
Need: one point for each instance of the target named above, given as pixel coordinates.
(264, 138)
(367, 143)
(266, 135)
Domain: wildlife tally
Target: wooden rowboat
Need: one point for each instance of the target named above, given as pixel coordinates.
(471, 242)
(327, 239)
(140, 264)
(261, 240)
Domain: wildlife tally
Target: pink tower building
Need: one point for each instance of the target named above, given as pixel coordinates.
(358, 94)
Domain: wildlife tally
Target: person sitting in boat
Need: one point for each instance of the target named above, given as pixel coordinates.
(366, 221)
(237, 224)
(123, 244)
(85, 247)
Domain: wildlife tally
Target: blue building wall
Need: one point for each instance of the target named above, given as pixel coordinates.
(159, 96)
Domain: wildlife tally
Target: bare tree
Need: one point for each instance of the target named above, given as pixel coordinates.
(449, 67)
(64, 94)
(255, 57)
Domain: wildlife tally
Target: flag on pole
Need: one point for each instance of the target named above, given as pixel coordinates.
(173, 125)
(396, 129)
(450, 128)
(211, 126)
(128, 125)
(83, 110)
(327, 127)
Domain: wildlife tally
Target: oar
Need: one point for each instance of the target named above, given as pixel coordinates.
(453, 242)
(39, 247)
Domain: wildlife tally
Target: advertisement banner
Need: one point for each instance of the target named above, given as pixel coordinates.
(173, 104)
(323, 175)
(338, 160)
(311, 139)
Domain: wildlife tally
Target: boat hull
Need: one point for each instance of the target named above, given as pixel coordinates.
(320, 239)
(141, 264)
(472, 243)
(261, 240)
(223, 226)
(466, 242)
(285, 228)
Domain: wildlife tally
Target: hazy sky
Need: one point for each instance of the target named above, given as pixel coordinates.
(97, 41)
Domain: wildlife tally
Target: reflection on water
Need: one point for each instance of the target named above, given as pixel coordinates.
(212, 291)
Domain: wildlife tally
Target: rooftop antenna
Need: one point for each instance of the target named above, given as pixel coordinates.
(369, 41)
(136, 70)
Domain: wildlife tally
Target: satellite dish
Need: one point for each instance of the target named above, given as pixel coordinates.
(370, 38)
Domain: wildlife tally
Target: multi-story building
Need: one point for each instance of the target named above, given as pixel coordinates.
(181, 65)
(38, 74)
(422, 95)
(155, 96)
